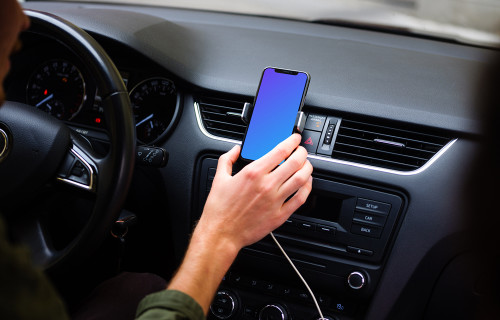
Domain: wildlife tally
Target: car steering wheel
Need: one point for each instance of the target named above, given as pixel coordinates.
(37, 150)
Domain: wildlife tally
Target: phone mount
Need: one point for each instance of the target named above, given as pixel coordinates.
(300, 120)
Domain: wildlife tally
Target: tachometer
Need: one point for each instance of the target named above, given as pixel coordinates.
(154, 102)
(57, 87)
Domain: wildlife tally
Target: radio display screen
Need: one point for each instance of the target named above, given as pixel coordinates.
(321, 205)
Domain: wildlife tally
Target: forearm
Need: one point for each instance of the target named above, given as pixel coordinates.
(208, 258)
(241, 210)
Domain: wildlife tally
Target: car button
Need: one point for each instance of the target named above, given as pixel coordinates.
(315, 122)
(372, 219)
(373, 206)
(310, 140)
(359, 251)
(307, 226)
(369, 231)
(326, 230)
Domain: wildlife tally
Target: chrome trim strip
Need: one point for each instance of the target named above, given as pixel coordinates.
(5, 137)
(391, 143)
(74, 150)
(348, 163)
(391, 171)
(204, 131)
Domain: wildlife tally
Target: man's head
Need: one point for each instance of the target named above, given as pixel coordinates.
(12, 22)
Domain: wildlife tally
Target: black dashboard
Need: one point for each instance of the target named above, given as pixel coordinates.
(386, 215)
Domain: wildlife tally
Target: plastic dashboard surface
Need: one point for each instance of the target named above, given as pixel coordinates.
(358, 72)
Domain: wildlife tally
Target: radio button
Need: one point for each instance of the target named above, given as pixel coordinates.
(306, 226)
(360, 251)
(356, 280)
(326, 230)
(373, 206)
(372, 219)
(369, 231)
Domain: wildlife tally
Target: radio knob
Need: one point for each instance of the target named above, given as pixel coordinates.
(224, 305)
(356, 280)
(273, 312)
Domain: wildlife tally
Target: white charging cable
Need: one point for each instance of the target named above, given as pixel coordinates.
(300, 276)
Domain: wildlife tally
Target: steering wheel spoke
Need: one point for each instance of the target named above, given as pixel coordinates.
(79, 169)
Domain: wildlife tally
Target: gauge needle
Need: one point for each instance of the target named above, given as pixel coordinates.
(144, 120)
(45, 100)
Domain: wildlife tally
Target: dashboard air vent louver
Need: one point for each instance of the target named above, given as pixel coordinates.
(222, 117)
(392, 147)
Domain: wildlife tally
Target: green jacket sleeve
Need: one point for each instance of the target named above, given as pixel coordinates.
(25, 291)
(169, 305)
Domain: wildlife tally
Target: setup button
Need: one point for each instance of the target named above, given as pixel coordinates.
(310, 140)
(373, 206)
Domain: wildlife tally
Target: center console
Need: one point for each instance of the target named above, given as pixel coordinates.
(338, 240)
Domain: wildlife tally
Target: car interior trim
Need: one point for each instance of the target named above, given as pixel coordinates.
(90, 187)
(349, 163)
(205, 132)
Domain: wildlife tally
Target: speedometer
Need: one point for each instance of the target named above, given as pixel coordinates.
(58, 88)
(154, 102)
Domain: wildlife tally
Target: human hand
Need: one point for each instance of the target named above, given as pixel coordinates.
(243, 208)
(239, 211)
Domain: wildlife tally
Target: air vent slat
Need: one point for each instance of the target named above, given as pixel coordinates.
(217, 124)
(369, 144)
(388, 145)
(392, 137)
(220, 118)
(375, 153)
(377, 162)
(403, 132)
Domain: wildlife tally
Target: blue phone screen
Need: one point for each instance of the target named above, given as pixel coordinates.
(276, 105)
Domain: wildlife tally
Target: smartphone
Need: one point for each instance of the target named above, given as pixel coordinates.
(280, 96)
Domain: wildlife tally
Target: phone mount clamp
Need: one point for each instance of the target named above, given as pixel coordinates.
(300, 120)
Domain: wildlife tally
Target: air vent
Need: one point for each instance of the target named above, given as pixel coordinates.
(222, 117)
(387, 146)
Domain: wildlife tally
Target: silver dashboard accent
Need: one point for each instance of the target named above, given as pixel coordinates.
(275, 307)
(205, 132)
(90, 187)
(356, 277)
(391, 171)
(391, 143)
(4, 144)
(332, 160)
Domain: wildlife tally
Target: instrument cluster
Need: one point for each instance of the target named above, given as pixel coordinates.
(50, 77)
(58, 87)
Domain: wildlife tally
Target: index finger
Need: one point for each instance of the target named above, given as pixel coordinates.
(227, 160)
(282, 151)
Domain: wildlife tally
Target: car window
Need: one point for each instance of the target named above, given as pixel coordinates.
(469, 21)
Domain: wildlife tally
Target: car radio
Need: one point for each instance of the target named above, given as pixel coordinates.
(337, 218)
(338, 239)
(345, 220)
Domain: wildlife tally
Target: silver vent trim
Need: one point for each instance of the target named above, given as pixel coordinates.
(199, 120)
(331, 160)
(391, 171)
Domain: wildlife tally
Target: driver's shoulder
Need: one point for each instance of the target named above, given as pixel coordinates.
(25, 291)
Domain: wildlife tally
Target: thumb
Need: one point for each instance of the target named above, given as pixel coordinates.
(227, 160)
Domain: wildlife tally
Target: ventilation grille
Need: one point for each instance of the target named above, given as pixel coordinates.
(383, 146)
(222, 117)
